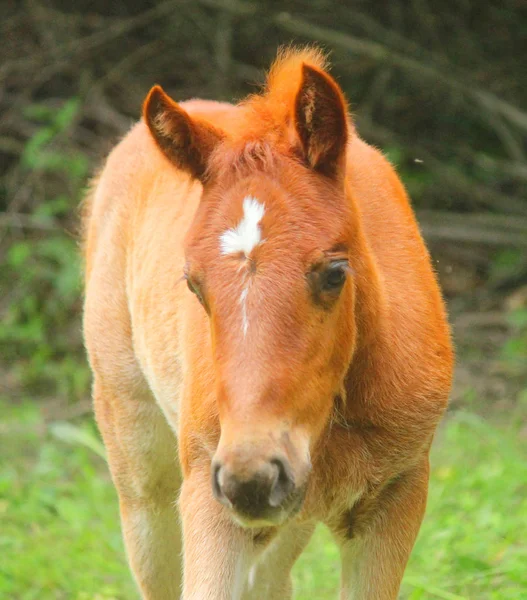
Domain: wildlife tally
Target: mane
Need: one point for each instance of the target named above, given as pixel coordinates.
(261, 131)
(285, 74)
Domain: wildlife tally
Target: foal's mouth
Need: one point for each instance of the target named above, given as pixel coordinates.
(260, 496)
(260, 484)
(248, 518)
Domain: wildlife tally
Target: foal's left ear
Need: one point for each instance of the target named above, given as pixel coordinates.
(321, 121)
(185, 141)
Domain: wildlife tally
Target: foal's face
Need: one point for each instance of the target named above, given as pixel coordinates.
(268, 257)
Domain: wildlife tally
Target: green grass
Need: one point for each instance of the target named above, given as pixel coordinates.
(60, 538)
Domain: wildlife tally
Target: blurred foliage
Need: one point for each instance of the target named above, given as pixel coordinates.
(39, 339)
(514, 351)
(439, 86)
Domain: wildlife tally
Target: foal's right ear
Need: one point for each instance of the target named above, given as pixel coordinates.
(321, 121)
(185, 141)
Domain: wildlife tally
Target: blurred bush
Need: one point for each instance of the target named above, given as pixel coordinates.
(39, 334)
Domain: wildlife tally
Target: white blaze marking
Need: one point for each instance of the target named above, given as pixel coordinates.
(247, 234)
(242, 565)
(252, 577)
(243, 302)
(244, 238)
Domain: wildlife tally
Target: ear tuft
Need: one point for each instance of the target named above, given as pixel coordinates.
(321, 121)
(185, 141)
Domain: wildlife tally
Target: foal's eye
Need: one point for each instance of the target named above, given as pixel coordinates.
(334, 277)
(327, 280)
(195, 289)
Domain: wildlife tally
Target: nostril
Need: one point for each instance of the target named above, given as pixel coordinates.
(216, 487)
(283, 484)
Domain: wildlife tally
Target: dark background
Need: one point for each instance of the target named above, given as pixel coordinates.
(441, 87)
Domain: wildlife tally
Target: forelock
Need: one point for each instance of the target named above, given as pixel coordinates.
(242, 159)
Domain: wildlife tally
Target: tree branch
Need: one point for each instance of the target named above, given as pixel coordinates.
(487, 229)
(481, 194)
(388, 55)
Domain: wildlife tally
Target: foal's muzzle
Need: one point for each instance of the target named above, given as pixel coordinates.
(267, 494)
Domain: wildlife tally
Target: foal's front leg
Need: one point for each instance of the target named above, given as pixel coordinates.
(217, 553)
(142, 457)
(381, 538)
(270, 577)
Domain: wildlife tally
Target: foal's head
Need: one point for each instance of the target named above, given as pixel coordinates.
(269, 256)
